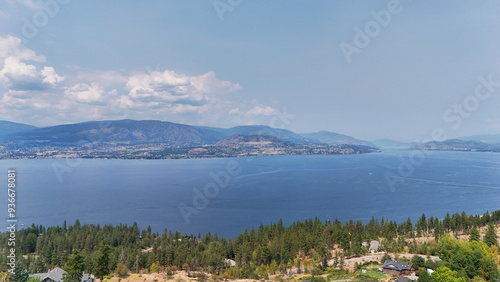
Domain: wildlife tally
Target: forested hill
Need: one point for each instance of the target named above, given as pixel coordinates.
(270, 249)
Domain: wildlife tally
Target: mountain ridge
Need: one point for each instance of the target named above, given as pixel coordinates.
(485, 138)
(460, 145)
(129, 131)
(328, 137)
(122, 131)
(9, 127)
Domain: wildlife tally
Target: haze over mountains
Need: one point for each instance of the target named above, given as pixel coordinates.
(8, 127)
(327, 137)
(154, 131)
(460, 145)
(393, 144)
(485, 138)
(281, 134)
(181, 135)
(120, 131)
(159, 139)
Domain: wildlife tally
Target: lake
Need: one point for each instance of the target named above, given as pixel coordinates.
(229, 195)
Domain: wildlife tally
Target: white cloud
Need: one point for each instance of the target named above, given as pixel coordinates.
(14, 100)
(185, 108)
(28, 3)
(104, 78)
(235, 111)
(18, 75)
(169, 87)
(207, 83)
(19, 94)
(85, 93)
(165, 95)
(11, 46)
(51, 77)
(259, 110)
(15, 74)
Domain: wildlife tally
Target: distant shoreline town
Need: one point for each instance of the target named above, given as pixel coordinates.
(152, 139)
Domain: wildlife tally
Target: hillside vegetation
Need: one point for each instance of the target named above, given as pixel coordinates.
(269, 251)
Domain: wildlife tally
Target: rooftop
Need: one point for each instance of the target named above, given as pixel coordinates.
(396, 265)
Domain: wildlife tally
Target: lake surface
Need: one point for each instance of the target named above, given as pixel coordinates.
(258, 190)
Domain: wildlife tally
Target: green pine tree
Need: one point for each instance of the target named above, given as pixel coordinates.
(474, 235)
(20, 273)
(75, 267)
(490, 238)
(102, 261)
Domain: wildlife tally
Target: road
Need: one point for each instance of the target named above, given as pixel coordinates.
(349, 262)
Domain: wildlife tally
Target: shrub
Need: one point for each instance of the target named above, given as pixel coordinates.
(385, 257)
(154, 268)
(121, 270)
(316, 271)
(371, 262)
(418, 261)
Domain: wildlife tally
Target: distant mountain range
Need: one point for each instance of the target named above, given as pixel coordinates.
(258, 145)
(281, 134)
(485, 138)
(479, 143)
(393, 144)
(154, 131)
(327, 137)
(175, 135)
(159, 139)
(119, 131)
(8, 127)
(460, 145)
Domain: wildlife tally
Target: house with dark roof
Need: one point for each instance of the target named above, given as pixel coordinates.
(57, 274)
(396, 267)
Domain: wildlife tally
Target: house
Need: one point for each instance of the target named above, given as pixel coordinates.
(374, 245)
(56, 275)
(396, 267)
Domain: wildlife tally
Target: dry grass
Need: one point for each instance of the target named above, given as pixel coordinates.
(158, 277)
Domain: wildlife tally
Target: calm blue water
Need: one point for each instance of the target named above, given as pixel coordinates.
(264, 190)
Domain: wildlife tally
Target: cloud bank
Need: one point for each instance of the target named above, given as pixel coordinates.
(37, 93)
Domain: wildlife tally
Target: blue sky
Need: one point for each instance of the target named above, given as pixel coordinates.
(255, 62)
